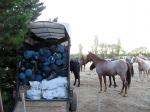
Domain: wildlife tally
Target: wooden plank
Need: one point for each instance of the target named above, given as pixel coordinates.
(23, 101)
(42, 106)
(46, 106)
(19, 107)
(1, 103)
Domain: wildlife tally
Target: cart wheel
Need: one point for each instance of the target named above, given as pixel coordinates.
(73, 102)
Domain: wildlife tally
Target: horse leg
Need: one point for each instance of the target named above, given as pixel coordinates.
(121, 92)
(140, 75)
(147, 74)
(109, 81)
(84, 67)
(115, 85)
(75, 80)
(104, 77)
(100, 81)
(79, 81)
(81, 67)
(125, 85)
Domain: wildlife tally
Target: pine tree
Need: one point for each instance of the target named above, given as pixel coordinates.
(15, 15)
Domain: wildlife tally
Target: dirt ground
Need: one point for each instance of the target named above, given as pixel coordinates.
(89, 100)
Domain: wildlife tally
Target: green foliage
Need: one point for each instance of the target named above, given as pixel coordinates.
(80, 50)
(74, 56)
(118, 47)
(140, 51)
(95, 45)
(105, 50)
(8, 100)
(15, 15)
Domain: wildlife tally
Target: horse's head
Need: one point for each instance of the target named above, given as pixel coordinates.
(130, 60)
(88, 58)
(134, 60)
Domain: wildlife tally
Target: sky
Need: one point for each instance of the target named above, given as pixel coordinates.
(128, 20)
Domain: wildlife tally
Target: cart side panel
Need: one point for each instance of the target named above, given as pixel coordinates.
(41, 106)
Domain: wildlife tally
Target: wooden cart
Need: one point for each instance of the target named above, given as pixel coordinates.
(48, 33)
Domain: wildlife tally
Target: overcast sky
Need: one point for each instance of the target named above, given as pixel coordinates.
(128, 20)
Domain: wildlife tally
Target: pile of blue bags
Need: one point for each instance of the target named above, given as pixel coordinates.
(45, 63)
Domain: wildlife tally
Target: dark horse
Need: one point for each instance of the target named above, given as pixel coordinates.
(75, 68)
(106, 68)
(130, 65)
(82, 62)
(115, 85)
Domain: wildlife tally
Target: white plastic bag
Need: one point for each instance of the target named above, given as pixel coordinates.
(34, 94)
(54, 83)
(34, 85)
(59, 92)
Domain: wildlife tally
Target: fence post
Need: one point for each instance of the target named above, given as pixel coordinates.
(1, 103)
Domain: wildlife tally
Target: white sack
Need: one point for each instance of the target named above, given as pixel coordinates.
(34, 94)
(60, 92)
(54, 83)
(34, 85)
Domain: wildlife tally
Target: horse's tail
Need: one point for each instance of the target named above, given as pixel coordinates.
(132, 70)
(128, 78)
(92, 66)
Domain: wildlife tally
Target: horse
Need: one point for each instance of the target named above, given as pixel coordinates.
(128, 60)
(115, 85)
(75, 68)
(82, 62)
(110, 68)
(143, 65)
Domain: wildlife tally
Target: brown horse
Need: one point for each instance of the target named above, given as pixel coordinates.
(82, 62)
(104, 67)
(110, 83)
(143, 65)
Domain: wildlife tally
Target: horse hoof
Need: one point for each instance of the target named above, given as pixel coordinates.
(78, 85)
(120, 93)
(109, 85)
(115, 86)
(125, 95)
(100, 92)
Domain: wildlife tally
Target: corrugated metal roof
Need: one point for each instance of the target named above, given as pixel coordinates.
(47, 30)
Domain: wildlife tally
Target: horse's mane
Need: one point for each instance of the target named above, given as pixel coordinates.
(140, 59)
(98, 58)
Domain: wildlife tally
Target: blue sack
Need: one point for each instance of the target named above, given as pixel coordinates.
(54, 67)
(38, 77)
(53, 48)
(57, 56)
(59, 62)
(28, 72)
(32, 78)
(46, 62)
(64, 61)
(51, 59)
(46, 69)
(36, 55)
(45, 52)
(22, 76)
(28, 54)
(60, 48)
